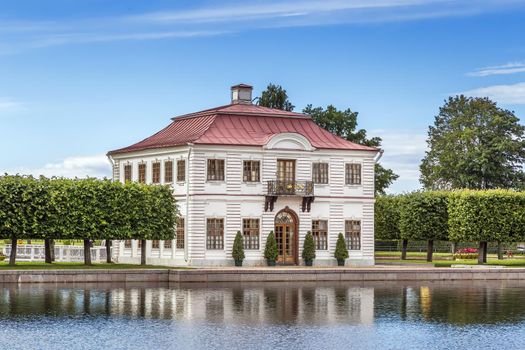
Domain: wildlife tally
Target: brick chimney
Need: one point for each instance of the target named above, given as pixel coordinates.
(242, 93)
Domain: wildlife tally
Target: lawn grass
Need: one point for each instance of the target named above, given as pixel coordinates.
(74, 266)
(520, 262)
(410, 254)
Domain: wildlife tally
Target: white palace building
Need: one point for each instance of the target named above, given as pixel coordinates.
(243, 167)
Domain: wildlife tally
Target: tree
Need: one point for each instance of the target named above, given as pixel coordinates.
(308, 248)
(424, 216)
(474, 144)
(341, 252)
(486, 216)
(238, 249)
(275, 97)
(270, 250)
(344, 124)
(387, 216)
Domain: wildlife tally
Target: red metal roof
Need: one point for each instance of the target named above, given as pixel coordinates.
(240, 124)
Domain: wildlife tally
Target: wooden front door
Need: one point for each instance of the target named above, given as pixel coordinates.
(286, 237)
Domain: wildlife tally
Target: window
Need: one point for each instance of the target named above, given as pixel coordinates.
(251, 171)
(167, 244)
(215, 169)
(127, 172)
(168, 171)
(353, 234)
(181, 170)
(155, 244)
(353, 174)
(250, 233)
(320, 173)
(320, 233)
(139, 243)
(215, 234)
(127, 243)
(180, 234)
(142, 173)
(155, 172)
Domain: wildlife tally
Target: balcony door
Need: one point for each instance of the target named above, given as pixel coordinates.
(286, 170)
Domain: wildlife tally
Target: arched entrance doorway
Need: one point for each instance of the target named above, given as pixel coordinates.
(286, 235)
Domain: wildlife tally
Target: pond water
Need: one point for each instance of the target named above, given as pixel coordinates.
(386, 315)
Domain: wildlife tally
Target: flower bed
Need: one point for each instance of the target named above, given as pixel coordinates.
(466, 253)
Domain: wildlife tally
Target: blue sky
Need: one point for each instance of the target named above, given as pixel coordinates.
(79, 78)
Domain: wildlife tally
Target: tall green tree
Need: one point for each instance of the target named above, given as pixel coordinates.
(344, 124)
(275, 97)
(474, 144)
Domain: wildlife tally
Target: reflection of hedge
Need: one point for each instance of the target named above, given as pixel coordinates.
(460, 216)
(84, 209)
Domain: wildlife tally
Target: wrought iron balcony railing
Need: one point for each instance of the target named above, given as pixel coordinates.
(290, 188)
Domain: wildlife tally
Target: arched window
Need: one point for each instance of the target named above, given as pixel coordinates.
(284, 218)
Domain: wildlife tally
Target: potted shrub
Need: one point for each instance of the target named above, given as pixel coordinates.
(2, 256)
(270, 251)
(309, 249)
(238, 249)
(341, 253)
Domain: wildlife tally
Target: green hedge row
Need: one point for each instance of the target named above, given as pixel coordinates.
(86, 209)
(456, 216)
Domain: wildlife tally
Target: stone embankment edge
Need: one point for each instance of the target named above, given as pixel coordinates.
(259, 275)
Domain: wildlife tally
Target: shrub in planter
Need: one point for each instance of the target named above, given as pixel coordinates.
(238, 249)
(270, 251)
(466, 253)
(341, 253)
(309, 249)
(2, 257)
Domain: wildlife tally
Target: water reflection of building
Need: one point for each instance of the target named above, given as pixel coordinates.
(235, 305)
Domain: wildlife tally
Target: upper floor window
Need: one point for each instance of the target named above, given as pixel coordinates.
(215, 169)
(155, 168)
(181, 170)
(353, 234)
(155, 244)
(353, 174)
(180, 234)
(168, 171)
(167, 244)
(127, 172)
(142, 173)
(250, 233)
(320, 234)
(215, 234)
(320, 173)
(251, 171)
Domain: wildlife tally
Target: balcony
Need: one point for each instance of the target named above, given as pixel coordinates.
(276, 188)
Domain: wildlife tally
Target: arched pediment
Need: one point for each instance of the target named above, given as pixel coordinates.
(289, 140)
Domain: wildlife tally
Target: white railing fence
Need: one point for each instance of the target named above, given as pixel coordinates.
(64, 253)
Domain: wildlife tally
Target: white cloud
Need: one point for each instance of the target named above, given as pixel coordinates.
(8, 105)
(77, 166)
(232, 17)
(504, 69)
(507, 94)
(403, 151)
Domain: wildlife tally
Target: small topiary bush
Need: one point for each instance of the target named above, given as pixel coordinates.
(341, 253)
(2, 256)
(238, 247)
(309, 248)
(270, 251)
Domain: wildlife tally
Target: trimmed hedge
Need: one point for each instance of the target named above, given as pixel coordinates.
(457, 216)
(88, 209)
